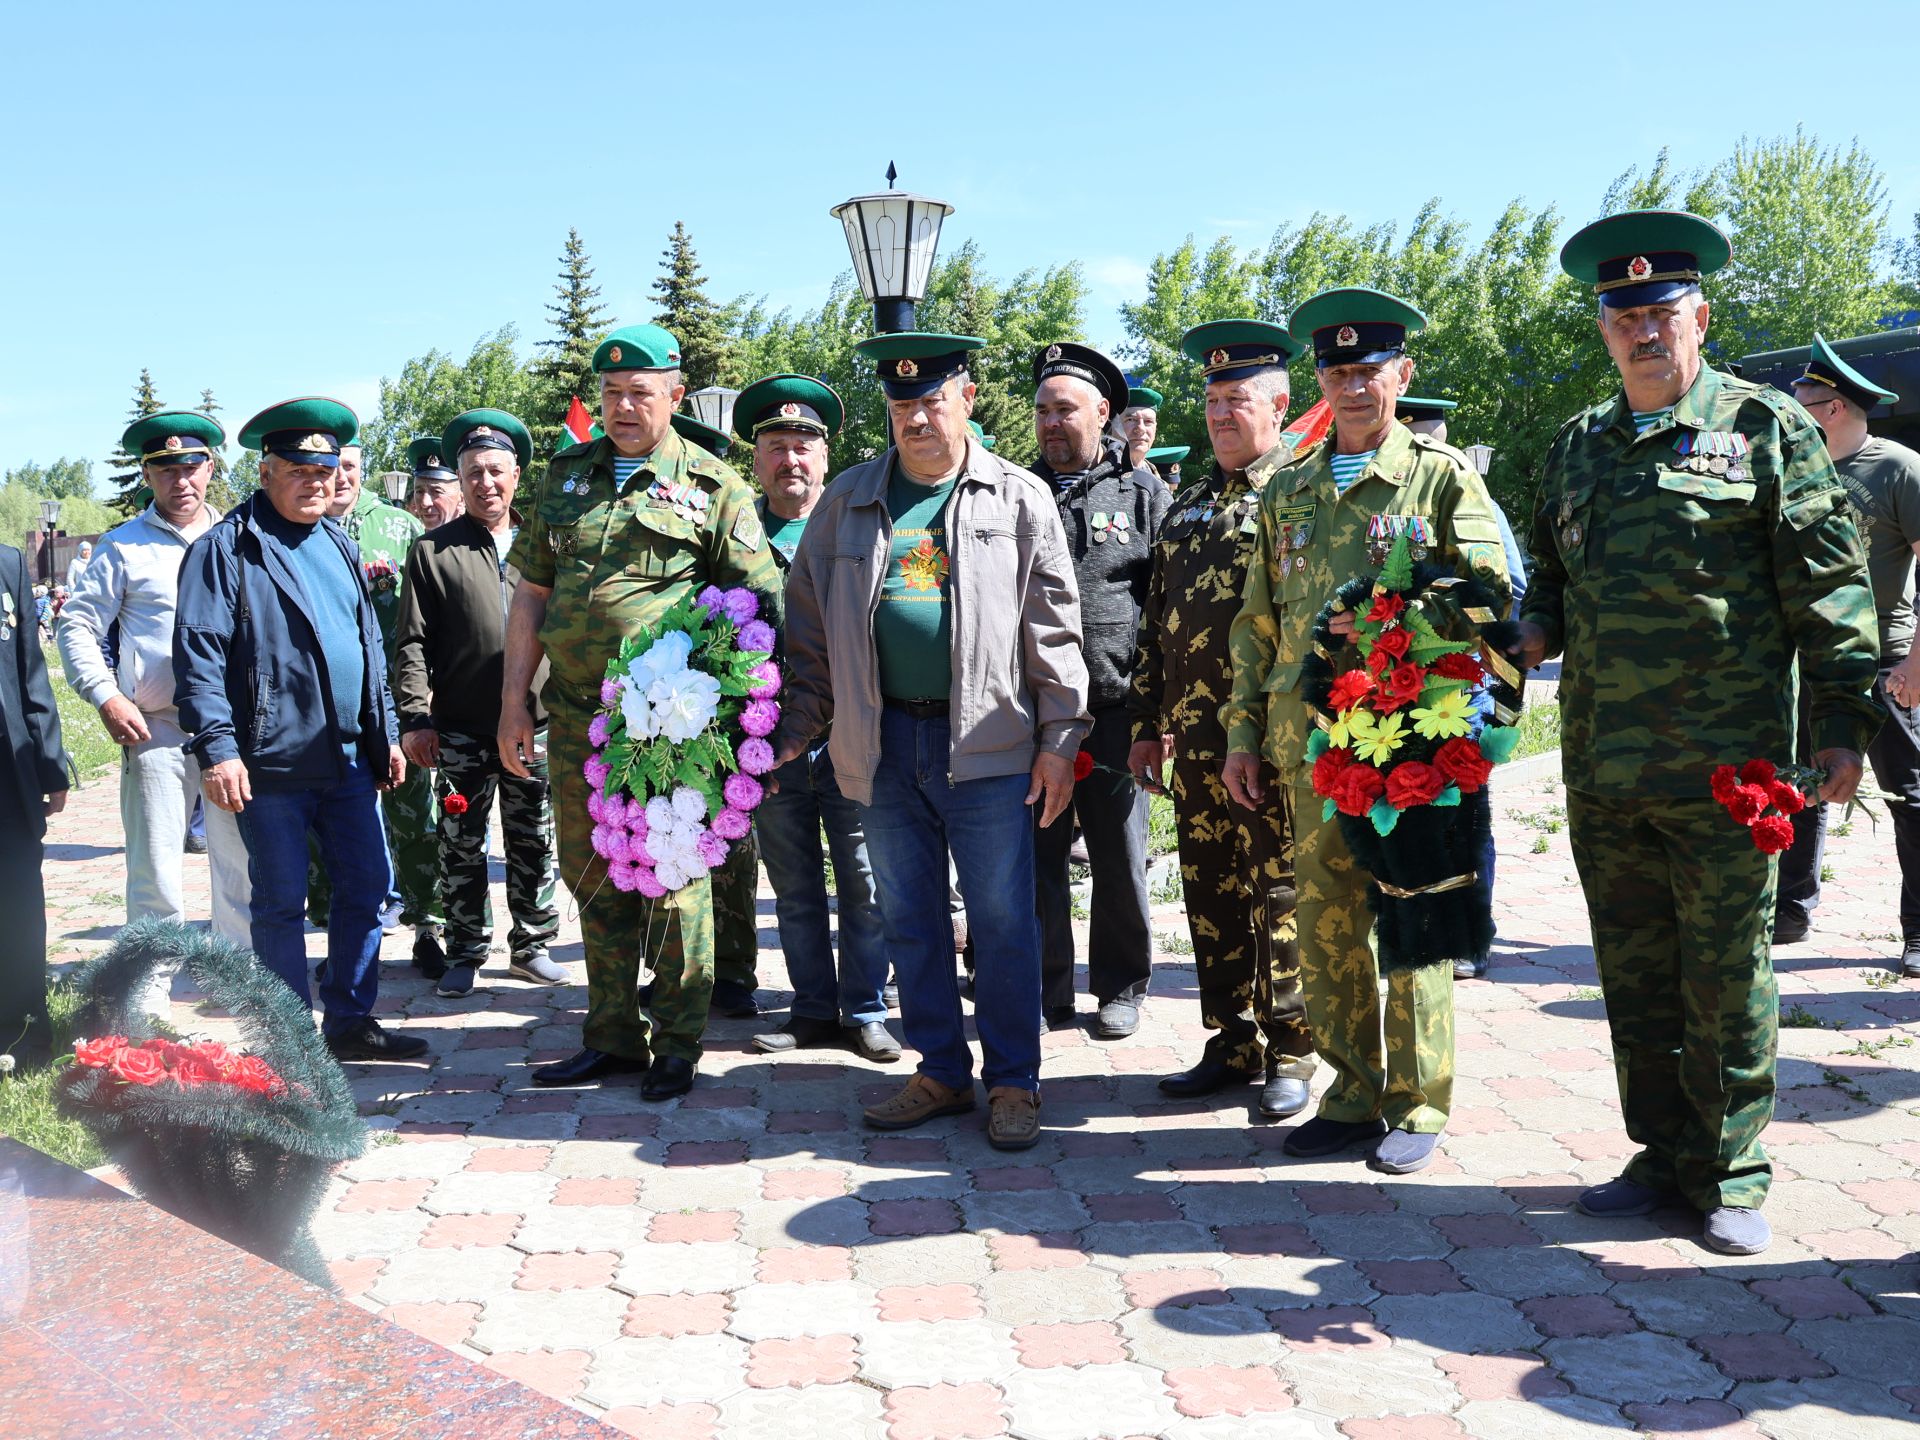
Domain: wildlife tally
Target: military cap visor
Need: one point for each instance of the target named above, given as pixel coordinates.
(1825, 367)
(1082, 362)
(185, 436)
(1144, 397)
(1236, 349)
(311, 430)
(1645, 257)
(426, 459)
(708, 437)
(485, 429)
(918, 362)
(1169, 454)
(637, 347)
(788, 402)
(1414, 407)
(1355, 325)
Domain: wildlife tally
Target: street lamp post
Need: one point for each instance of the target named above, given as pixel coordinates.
(713, 405)
(398, 484)
(892, 237)
(1482, 458)
(49, 528)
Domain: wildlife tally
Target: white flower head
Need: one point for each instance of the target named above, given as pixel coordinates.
(684, 703)
(671, 875)
(666, 656)
(690, 805)
(642, 723)
(660, 817)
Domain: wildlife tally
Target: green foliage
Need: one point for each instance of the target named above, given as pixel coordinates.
(685, 310)
(565, 368)
(89, 747)
(62, 480)
(20, 514)
(1539, 730)
(126, 468)
(27, 1109)
(433, 388)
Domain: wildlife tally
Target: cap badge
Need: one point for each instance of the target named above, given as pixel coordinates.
(1217, 358)
(433, 463)
(176, 442)
(1639, 268)
(480, 430)
(790, 408)
(1053, 353)
(1347, 338)
(315, 442)
(614, 354)
(905, 369)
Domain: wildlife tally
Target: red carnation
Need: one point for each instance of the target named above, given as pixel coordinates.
(1386, 608)
(455, 805)
(1462, 762)
(1725, 780)
(1757, 772)
(1412, 782)
(1349, 690)
(1328, 768)
(138, 1067)
(1357, 787)
(1787, 799)
(1396, 642)
(1082, 765)
(1747, 803)
(1459, 667)
(1772, 834)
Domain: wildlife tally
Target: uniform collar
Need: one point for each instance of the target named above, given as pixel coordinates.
(1391, 463)
(1694, 409)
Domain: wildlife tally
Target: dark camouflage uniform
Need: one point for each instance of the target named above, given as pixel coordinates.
(616, 563)
(1680, 595)
(1236, 869)
(1311, 540)
(736, 916)
(470, 766)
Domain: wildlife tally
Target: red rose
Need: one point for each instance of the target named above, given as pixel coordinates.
(1349, 690)
(1386, 608)
(1357, 788)
(1725, 780)
(138, 1067)
(1396, 642)
(250, 1072)
(1401, 687)
(1787, 799)
(1328, 768)
(1411, 783)
(1757, 772)
(1459, 667)
(1379, 662)
(98, 1053)
(1748, 803)
(191, 1068)
(454, 805)
(1462, 762)
(1772, 834)
(1082, 765)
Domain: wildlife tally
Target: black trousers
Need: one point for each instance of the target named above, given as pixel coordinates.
(1112, 811)
(1894, 757)
(23, 937)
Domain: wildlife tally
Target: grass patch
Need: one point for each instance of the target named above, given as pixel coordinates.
(1167, 888)
(27, 1110)
(1162, 838)
(1589, 992)
(1799, 1017)
(1874, 1049)
(88, 744)
(1843, 829)
(1539, 730)
(1173, 944)
(1541, 845)
(1879, 979)
(1827, 873)
(1077, 906)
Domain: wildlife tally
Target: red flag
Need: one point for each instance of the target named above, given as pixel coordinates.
(579, 424)
(1310, 428)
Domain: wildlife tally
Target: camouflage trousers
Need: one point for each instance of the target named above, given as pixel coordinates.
(470, 767)
(674, 935)
(1682, 910)
(413, 847)
(736, 916)
(1391, 1060)
(1236, 874)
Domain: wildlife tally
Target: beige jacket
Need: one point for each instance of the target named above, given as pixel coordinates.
(1019, 678)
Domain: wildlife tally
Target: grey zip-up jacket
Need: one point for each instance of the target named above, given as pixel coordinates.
(1019, 678)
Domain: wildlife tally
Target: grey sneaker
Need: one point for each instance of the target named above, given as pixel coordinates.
(1736, 1230)
(1619, 1199)
(457, 983)
(537, 969)
(1401, 1152)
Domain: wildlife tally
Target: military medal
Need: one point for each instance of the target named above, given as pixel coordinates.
(1098, 522)
(1574, 536)
(567, 489)
(7, 615)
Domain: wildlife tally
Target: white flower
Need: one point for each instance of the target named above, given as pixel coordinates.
(660, 817)
(671, 875)
(666, 656)
(684, 703)
(690, 805)
(642, 723)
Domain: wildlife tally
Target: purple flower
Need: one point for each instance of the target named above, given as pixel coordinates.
(624, 875)
(636, 821)
(613, 809)
(743, 792)
(597, 730)
(755, 756)
(713, 850)
(596, 807)
(600, 838)
(755, 635)
(648, 883)
(759, 717)
(711, 599)
(766, 680)
(732, 824)
(619, 846)
(609, 692)
(637, 849)
(741, 604)
(596, 770)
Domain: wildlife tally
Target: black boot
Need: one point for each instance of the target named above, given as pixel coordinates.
(1207, 1078)
(668, 1077)
(587, 1067)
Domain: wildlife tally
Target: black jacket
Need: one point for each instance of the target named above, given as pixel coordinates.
(36, 758)
(1113, 572)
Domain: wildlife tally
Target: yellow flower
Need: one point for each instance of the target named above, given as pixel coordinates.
(1350, 727)
(1383, 737)
(1449, 715)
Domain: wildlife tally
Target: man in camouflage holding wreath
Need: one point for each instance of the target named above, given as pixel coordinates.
(624, 528)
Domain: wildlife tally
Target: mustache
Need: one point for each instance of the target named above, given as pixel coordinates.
(1649, 350)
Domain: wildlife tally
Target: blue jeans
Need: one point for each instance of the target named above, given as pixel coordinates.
(787, 826)
(345, 820)
(917, 817)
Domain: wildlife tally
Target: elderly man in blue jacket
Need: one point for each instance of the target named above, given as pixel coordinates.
(280, 674)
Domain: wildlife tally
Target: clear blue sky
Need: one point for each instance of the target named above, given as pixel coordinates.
(280, 200)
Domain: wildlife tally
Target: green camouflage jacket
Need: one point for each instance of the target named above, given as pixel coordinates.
(1310, 540)
(384, 534)
(617, 562)
(1680, 572)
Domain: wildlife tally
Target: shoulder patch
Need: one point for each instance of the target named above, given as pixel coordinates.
(1788, 411)
(747, 531)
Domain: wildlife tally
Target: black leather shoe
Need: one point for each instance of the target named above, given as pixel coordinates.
(734, 1000)
(585, 1068)
(873, 1041)
(1910, 961)
(1283, 1095)
(1320, 1136)
(1207, 1078)
(802, 1032)
(1790, 929)
(367, 1041)
(667, 1077)
(1059, 1017)
(429, 955)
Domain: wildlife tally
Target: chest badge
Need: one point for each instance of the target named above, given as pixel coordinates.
(1383, 530)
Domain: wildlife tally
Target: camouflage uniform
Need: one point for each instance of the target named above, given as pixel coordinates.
(470, 766)
(736, 916)
(1310, 540)
(616, 562)
(1680, 591)
(384, 534)
(1236, 869)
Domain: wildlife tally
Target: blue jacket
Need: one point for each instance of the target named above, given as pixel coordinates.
(249, 675)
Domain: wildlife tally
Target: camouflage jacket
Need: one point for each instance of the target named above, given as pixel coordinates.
(384, 534)
(1182, 672)
(1310, 540)
(1680, 579)
(616, 561)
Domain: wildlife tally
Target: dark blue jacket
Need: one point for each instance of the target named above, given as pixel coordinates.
(35, 763)
(249, 674)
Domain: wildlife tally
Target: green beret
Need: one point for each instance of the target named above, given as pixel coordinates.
(1144, 397)
(788, 402)
(1235, 349)
(707, 437)
(169, 433)
(637, 347)
(303, 419)
(488, 428)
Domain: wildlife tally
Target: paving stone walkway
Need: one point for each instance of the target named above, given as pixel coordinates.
(749, 1262)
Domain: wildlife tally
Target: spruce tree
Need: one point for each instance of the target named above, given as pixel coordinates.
(221, 491)
(695, 321)
(146, 401)
(566, 369)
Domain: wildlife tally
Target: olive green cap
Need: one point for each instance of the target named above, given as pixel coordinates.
(788, 402)
(637, 347)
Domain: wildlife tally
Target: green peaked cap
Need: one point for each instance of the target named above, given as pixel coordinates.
(491, 427)
(1144, 397)
(1355, 325)
(980, 434)
(1169, 454)
(158, 434)
(1825, 367)
(1234, 349)
(1416, 407)
(427, 460)
(709, 438)
(637, 347)
(1645, 257)
(788, 402)
(309, 412)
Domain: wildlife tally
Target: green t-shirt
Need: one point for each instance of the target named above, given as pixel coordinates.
(913, 628)
(1883, 481)
(784, 536)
